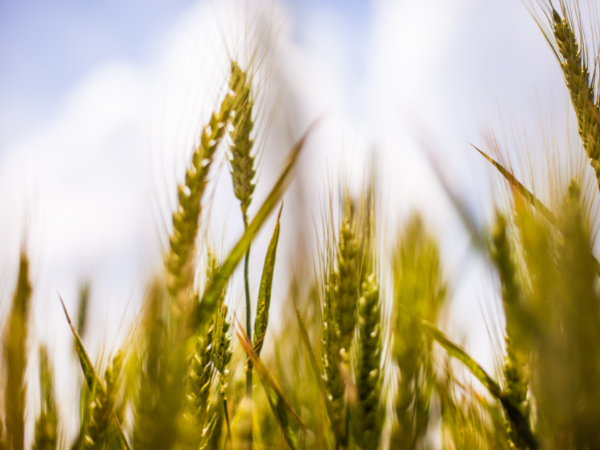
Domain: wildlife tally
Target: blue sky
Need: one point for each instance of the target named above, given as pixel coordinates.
(47, 47)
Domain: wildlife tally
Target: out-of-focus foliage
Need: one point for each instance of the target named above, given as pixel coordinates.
(360, 361)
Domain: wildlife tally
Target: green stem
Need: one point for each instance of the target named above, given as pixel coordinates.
(248, 326)
(227, 422)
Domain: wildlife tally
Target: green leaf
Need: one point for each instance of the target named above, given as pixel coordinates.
(531, 199)
(281, 408)
(211, 295)
(514, 414)
(91, 377)
(516, 184)
(264, 294)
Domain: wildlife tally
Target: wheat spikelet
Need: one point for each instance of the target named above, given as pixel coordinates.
(46, 426)
(331, 352)
(349, 280)
(242, 159)
(15, 357)
(180, 260)
(368, 368)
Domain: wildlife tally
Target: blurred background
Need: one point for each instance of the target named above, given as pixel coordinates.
(101, 103)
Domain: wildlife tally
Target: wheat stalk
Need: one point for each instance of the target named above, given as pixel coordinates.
(573, 60)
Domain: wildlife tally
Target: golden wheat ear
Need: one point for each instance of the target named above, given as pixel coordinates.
(180, 259)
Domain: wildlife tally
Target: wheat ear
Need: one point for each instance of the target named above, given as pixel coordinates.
(180, 260)
(242, 174)
(102, 406)
(331, 353)
(573, 62)
(242, 158)
(15, 357)
(349, 280)
(368, 367)
(46, 426)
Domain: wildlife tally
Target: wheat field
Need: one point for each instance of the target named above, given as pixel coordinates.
(360, 360)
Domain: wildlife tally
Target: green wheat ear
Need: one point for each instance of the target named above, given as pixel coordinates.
(573, 60)
(15, 357)
(242, 158)
(46, 426)
(516, 366)
(180, 260)
(368, 368)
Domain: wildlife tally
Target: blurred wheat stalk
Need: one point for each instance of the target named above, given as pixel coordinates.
(342, 373)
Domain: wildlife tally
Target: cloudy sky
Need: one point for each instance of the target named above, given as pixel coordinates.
(101, 103)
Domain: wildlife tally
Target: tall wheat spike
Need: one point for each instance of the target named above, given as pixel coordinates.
(15, 357)
(46, 426)
(342, 291)
(368, 367)
(573, 58)
(242, 157)
(348, 280)
(242, 175)
(180, 260)
(516, 366)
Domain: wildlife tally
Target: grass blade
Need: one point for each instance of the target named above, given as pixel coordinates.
(264, 295)
(281, 408)
(514, 414)
(516, 184)
(315, 366)
(15, 358)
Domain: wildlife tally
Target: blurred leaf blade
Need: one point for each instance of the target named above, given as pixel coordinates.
(264, 295)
